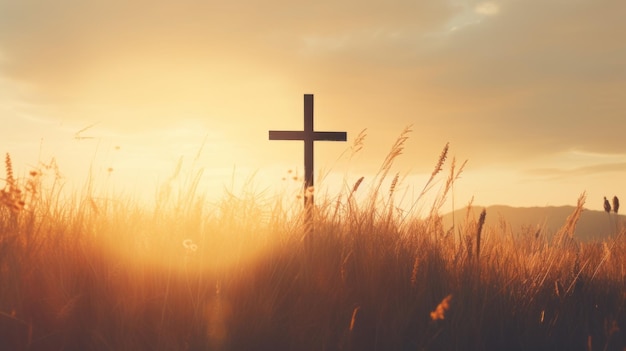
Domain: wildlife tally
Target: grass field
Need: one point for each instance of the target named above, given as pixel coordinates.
(92, 272)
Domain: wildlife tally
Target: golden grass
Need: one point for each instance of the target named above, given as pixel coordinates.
(95, 273)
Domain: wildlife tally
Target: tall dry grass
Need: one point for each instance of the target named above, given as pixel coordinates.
(98, 273)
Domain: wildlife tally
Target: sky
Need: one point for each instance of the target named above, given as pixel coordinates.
(532, 93)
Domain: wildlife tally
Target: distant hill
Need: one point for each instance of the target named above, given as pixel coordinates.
(593, 225)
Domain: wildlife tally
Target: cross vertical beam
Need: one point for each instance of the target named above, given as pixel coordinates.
(308, 146)
(308, 135)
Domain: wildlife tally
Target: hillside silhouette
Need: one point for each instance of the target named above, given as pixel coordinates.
(593, 225)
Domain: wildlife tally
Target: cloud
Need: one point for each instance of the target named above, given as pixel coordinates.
(206, 57)
(577, 163)
(488, 8)
(46, 40)
(560, 173)
(531, 77)
(536, 78)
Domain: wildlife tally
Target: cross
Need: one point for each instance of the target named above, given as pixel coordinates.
(308, 135)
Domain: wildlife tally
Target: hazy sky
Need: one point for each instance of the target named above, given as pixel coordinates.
(531, 92)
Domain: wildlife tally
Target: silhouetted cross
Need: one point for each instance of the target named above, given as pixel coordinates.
(308, 135)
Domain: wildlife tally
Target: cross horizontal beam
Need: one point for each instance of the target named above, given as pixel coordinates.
(302, 135)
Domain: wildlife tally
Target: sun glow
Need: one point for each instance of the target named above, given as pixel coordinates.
(488, 8)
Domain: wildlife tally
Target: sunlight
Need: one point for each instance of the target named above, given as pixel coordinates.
(488, 8)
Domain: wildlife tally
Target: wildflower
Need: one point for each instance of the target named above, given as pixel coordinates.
(442, 308)
(187, 243)
(189, 246)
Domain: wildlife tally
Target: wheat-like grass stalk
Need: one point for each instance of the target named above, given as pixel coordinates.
(355, 313)
(615, 210)
(8, 165)
(337, 207)
(441, 161)
(392, 189)
(453, 176)
(355, 187)
(566, 233)
(438, 168)
(354, 149)
(11, 196)
(393, 185)
(396, 150)
(479, 230)
(359, 141)
(357, 145)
